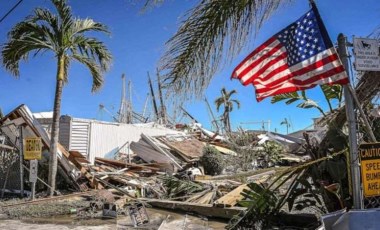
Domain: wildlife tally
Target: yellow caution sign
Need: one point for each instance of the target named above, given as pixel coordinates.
(32, 148)
(370, 166)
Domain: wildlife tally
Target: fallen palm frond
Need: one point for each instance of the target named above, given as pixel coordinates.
(176, 187)
(264, 203)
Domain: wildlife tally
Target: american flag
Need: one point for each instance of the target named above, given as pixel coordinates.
(299, 57)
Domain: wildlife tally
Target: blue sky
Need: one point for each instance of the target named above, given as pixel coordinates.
(137, 41)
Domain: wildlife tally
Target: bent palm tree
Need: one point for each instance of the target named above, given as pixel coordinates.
(228, 104)
(64, 36)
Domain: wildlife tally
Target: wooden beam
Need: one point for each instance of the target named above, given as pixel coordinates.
(201, 209)
(232, 197)
(158, 148)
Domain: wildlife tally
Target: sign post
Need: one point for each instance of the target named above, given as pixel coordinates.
(33, 176)
(370, 166)
(351, 120)
(32, 152)
(366, 53)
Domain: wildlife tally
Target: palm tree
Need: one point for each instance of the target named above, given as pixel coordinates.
(213, 32)
(64, 36)
(228, 104)
(287, 124)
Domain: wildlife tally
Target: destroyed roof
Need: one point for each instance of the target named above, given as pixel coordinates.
(41, 115)
(32, 128)
(143, 125)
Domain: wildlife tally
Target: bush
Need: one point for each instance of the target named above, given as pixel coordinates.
(212, 161)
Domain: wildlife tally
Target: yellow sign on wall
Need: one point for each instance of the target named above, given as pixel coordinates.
(32, 148)
(370, 167)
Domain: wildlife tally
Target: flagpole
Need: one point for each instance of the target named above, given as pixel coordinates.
(350, 113)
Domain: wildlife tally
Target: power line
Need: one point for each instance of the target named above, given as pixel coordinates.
(10, 11)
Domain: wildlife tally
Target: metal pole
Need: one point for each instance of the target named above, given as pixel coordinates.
(350, 113)
(33, 176)
(21, 128)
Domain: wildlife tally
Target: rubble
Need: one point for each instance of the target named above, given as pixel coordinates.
(159, 171)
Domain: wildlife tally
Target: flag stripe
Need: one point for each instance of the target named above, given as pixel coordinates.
(316, 77)
(254, 70)
(340, 79)
(300, 72)
(273, 63)
(277, 74)
(260, 59)
(249, 59)
(315, 74)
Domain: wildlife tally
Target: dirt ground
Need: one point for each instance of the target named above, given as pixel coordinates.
(162, 219)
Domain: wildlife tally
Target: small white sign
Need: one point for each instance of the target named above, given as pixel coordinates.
(33, 171)
(366, 53)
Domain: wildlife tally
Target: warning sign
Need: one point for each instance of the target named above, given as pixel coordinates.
(32, 148)
(366, 54)
(370, 166)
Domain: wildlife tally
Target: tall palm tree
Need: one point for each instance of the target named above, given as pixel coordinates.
(64, 36)
(287, 124)
(214, 32)
(228, 104)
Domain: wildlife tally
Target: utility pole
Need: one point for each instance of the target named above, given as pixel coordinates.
(214, 121)
(162, 108)
(153, 97)
(123, 110)
(351, 119)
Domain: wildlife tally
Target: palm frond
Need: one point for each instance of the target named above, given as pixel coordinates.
(218, 102)
(16, 50)
(94, 49)
(236, 102)
(84, 25)
(286, 96)
(65, 16)
(95, 69)
(213, 32)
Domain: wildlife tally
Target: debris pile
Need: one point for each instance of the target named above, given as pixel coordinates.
(182, 171)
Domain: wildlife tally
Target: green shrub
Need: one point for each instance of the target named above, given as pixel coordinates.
(212, 161)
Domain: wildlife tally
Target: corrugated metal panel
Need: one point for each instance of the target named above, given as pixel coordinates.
(79, 139)
(64, 131)
(107, 138)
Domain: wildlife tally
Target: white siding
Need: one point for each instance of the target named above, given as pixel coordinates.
(79, 140)
(94, 138)
(107, 138)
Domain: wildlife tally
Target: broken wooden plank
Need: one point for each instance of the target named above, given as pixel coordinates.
(201, 209)
(121, 164)
(38, 201)
(7, 147)
(91, 179)
(158, 148)
(223, 150)
(260, 172)
(189, 148)
(232, 197)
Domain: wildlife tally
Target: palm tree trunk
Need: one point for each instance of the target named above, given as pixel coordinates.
(53, 163)
(228, 123)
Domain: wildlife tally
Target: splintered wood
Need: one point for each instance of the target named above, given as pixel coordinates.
(231, 198)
